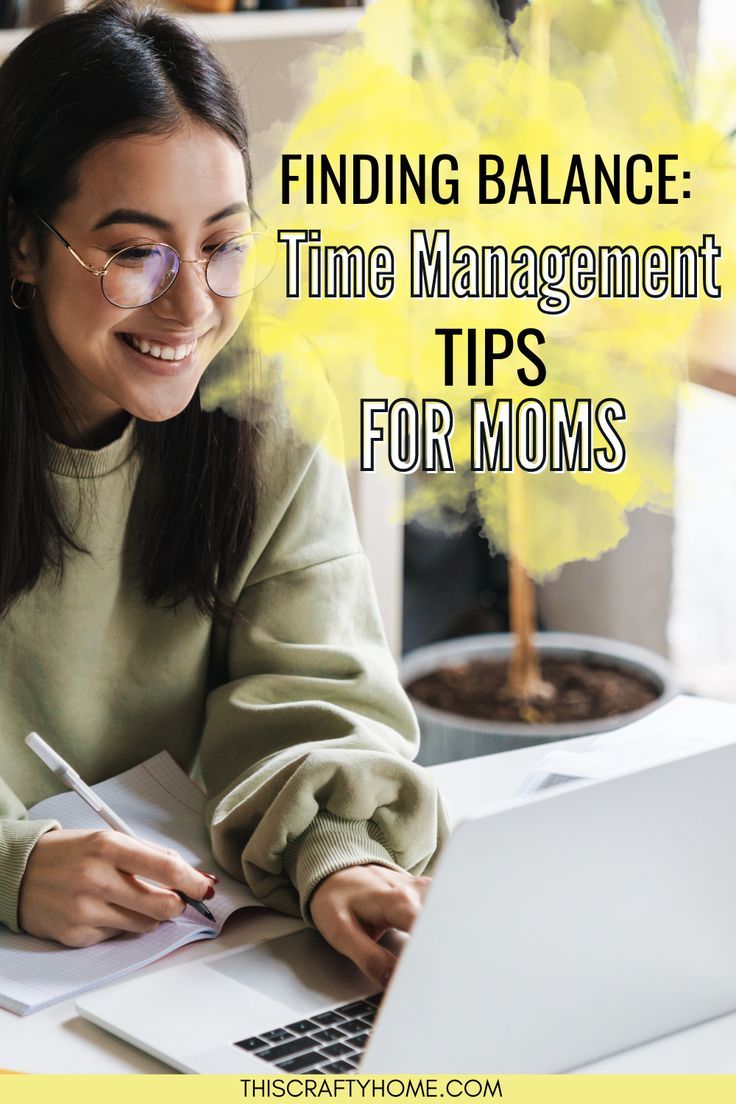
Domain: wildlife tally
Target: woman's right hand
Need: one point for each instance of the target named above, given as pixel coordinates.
(81, 887)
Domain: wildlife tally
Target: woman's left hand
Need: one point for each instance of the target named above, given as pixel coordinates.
(352, 908)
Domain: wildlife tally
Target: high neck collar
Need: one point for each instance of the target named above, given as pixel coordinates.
(90, 463)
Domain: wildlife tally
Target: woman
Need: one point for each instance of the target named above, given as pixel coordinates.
(173, 578)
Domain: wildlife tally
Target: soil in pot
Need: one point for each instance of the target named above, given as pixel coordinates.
(584, 691)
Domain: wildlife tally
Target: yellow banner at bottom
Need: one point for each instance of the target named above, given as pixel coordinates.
(463, 1089)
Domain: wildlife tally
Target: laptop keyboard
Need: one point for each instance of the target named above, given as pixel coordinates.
(329, 1042)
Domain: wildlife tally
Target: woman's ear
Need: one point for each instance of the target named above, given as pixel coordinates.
(23, 258)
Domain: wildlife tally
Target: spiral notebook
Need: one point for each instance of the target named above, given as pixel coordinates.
(161, 804)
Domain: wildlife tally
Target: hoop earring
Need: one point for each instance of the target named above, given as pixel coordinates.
(13, 292)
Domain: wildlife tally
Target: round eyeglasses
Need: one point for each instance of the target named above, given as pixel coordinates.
(141, 274)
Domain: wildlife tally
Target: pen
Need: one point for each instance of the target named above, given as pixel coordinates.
(71, 779)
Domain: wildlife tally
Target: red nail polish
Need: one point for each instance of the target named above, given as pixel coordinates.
(210, 893)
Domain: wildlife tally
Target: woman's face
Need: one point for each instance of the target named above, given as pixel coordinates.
(187, 189)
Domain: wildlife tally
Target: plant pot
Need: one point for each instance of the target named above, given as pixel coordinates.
(448, 736)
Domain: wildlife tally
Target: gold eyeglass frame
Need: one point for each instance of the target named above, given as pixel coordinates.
(201, 261)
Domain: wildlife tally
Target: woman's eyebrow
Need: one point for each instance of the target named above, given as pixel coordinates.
(144, 218)
(129, 215)
(232, 209)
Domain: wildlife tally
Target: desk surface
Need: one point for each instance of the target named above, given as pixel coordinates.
(56, 1040)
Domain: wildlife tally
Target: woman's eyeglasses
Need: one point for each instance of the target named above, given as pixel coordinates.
(141, 274)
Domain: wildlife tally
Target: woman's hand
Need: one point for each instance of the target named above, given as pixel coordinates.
(352, 908)
(80, 888)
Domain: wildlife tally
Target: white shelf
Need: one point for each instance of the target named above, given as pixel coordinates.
(250, 26)
(10, 39)
(259, 25)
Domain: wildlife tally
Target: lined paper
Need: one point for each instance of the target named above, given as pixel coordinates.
(162, 805)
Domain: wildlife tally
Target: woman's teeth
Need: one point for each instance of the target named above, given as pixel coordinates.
(162, 352)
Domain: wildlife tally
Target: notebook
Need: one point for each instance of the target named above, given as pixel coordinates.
(161, 804)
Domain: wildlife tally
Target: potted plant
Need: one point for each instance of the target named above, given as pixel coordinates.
(495, 692)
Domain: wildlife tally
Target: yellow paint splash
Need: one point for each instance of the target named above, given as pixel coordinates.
(444, 76)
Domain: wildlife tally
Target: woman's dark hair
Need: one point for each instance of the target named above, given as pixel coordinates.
(108, 71)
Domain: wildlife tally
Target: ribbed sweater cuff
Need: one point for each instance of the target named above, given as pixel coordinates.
(329, 844)
(17, 840)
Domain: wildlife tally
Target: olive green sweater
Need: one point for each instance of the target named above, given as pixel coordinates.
(293, 718)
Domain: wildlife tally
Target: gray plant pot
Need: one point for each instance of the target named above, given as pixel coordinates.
(448, 736)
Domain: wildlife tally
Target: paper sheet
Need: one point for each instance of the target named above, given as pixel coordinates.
(679, 729)
(162, 805)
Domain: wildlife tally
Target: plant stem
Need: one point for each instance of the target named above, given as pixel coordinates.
(524, 676)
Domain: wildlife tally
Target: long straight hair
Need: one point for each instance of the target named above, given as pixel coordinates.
(109, 71)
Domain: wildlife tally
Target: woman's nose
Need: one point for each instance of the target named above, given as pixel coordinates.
(189, 300)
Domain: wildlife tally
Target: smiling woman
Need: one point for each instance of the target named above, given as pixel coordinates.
(173, 577)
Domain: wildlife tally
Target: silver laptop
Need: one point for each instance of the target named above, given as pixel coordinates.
(559, 928)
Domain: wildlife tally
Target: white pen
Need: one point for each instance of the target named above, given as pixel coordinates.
(71, 778)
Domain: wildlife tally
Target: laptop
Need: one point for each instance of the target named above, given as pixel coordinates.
(560, 928)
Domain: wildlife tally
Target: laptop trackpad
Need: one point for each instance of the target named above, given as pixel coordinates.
(300, 971)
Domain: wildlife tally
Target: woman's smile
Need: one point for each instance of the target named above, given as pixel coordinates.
(155, 362)
(162, 354)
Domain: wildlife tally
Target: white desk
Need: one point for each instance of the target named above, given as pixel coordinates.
(56, 1040)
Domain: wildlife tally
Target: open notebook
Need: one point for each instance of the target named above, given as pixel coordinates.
(161, 804)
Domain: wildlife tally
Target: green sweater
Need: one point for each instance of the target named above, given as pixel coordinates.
(293, 719)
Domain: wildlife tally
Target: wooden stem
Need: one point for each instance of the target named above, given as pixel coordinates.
(524, 675)
(524, 681)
